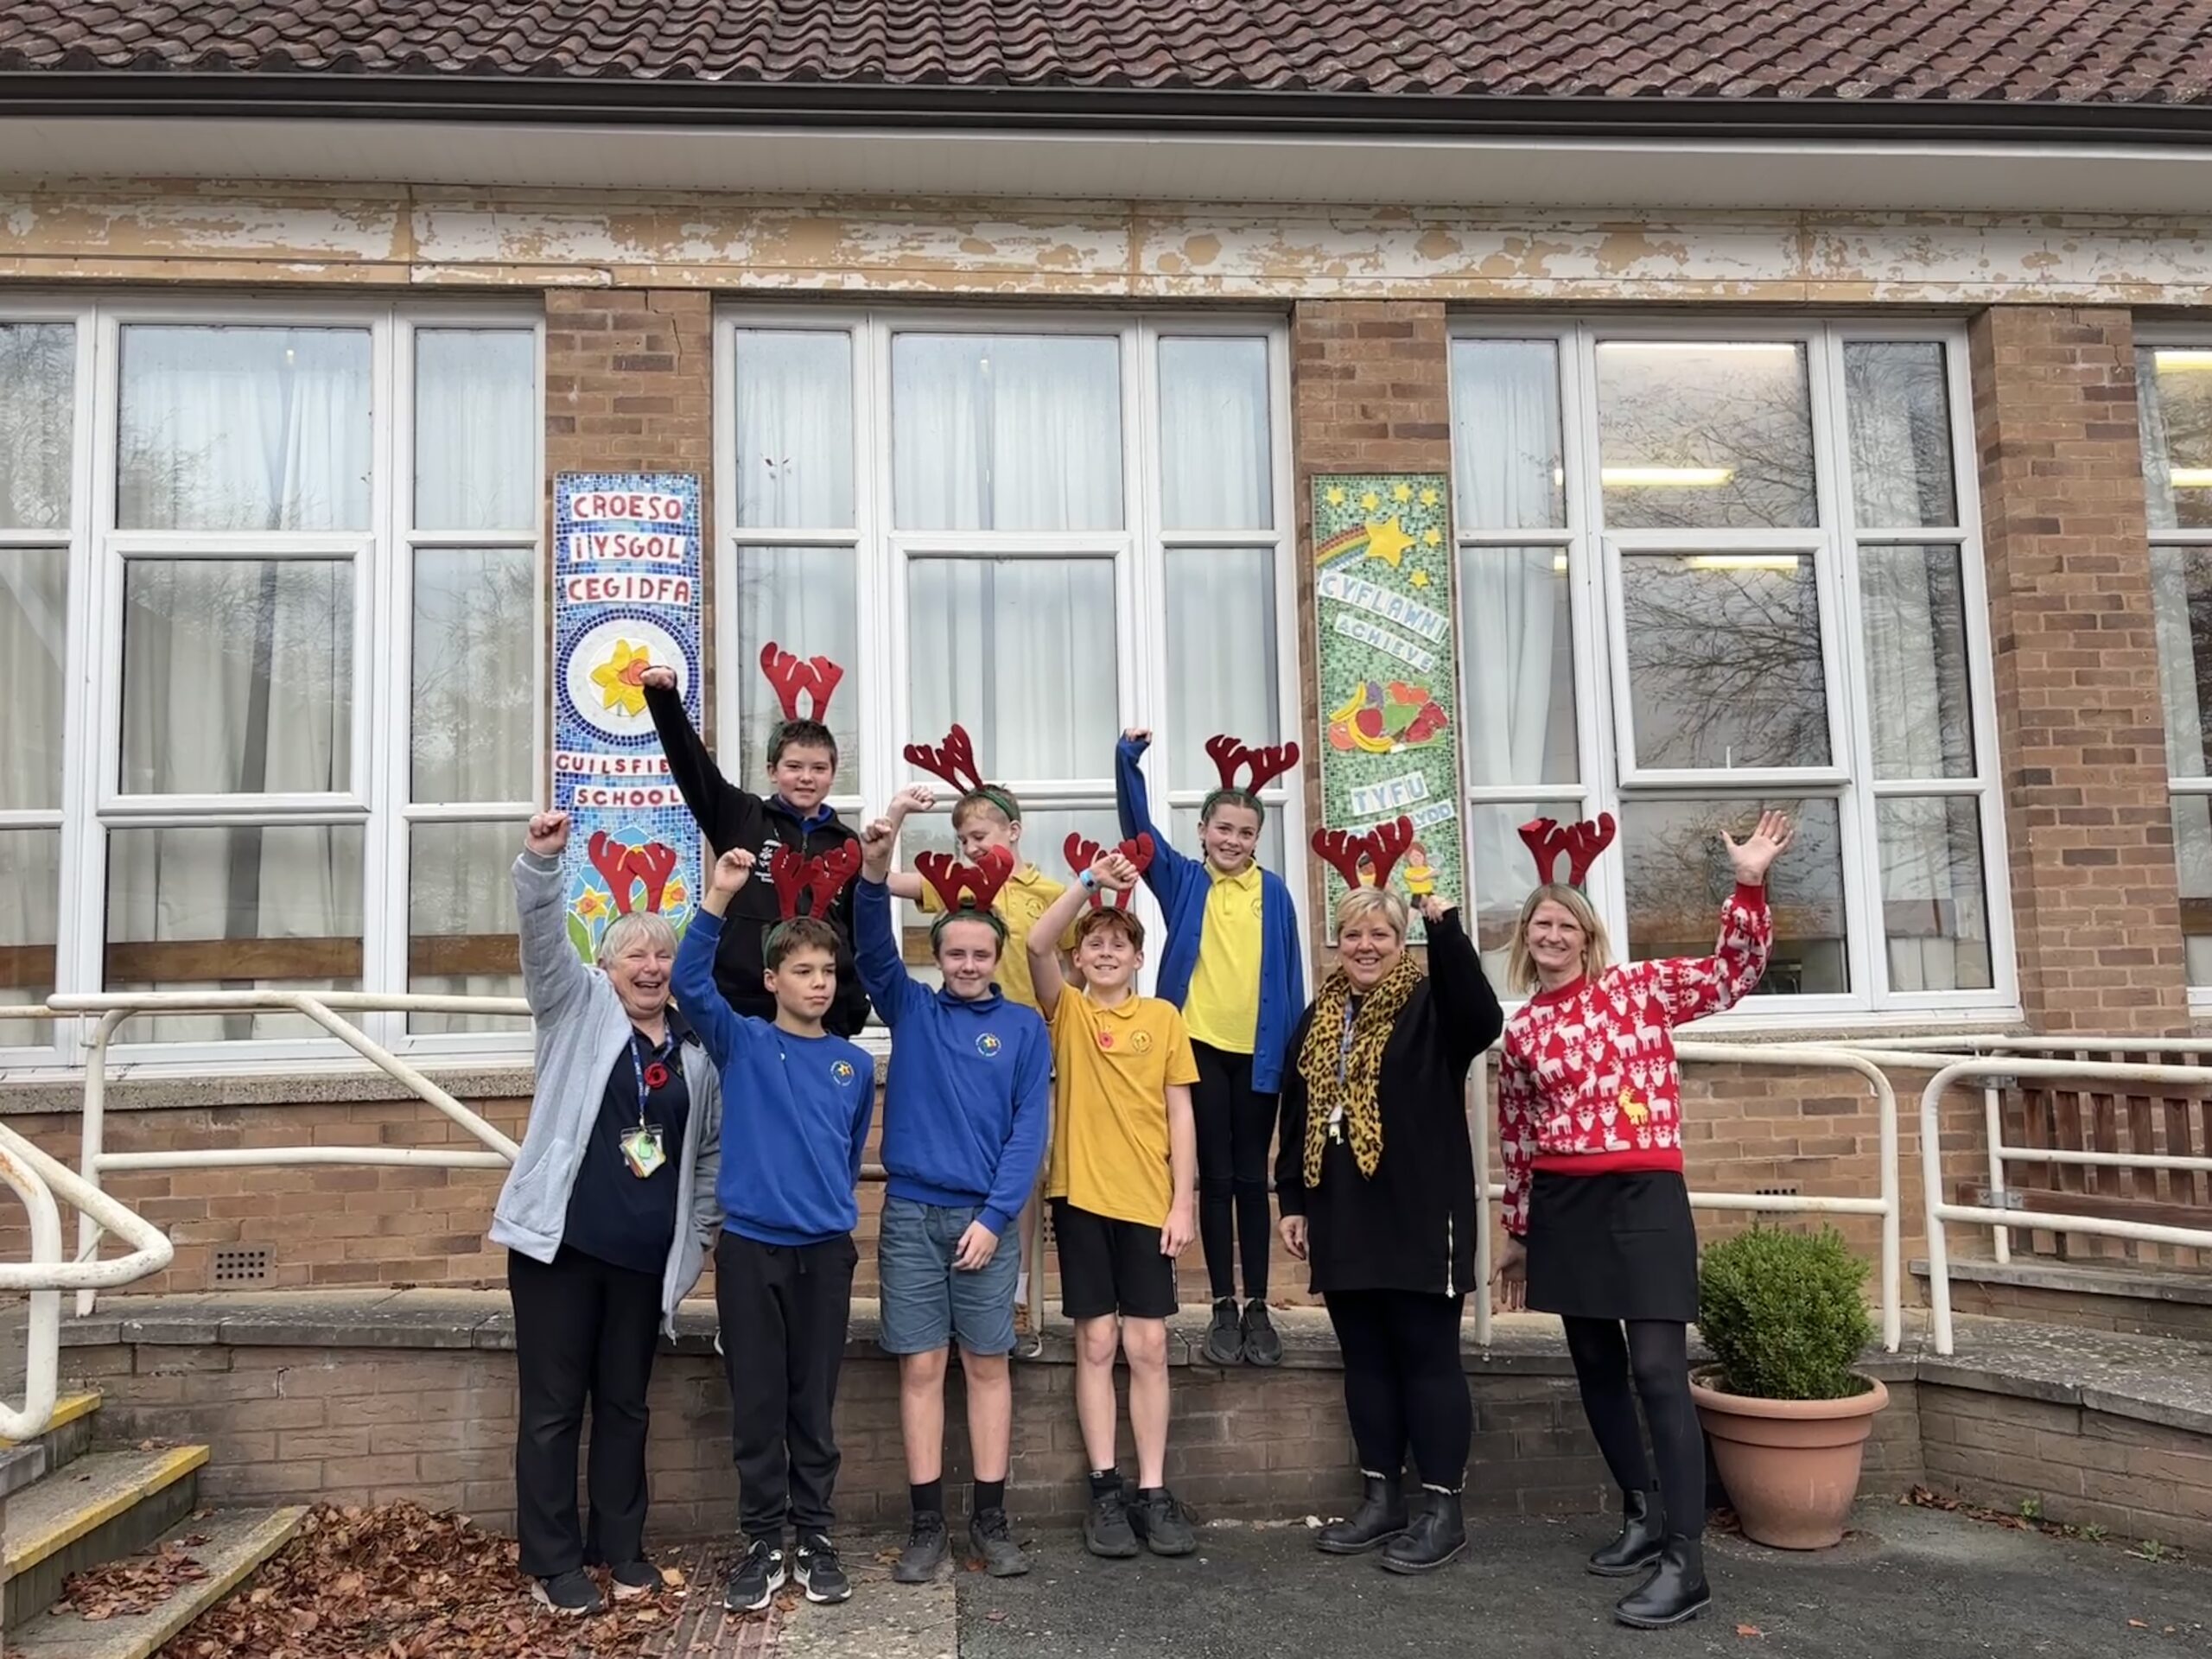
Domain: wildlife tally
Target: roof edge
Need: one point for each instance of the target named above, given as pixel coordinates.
(552, 100)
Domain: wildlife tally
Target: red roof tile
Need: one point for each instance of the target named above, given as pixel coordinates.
(2110, 52)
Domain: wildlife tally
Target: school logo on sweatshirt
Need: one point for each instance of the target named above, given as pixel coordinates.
(842, 1071)
(1141, 1041)
(987, 1045)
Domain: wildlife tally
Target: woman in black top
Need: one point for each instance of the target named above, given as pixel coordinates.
(1375, 1179)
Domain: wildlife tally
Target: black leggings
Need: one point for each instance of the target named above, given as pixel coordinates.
(1403, 1383)
(1657, 1352)
(1236, 1130)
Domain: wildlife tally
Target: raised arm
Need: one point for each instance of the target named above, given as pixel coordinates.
(915, 797)
(711, 797)
(1689, 988)
(1110, 871)
(727, 1033)
(875, 938)
(552, 976)
(1169, 868)
(1468, 1015)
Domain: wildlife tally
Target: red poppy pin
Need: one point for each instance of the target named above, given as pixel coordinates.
(656, 1076)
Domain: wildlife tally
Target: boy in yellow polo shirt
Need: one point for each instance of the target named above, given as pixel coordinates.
(1123, 1179)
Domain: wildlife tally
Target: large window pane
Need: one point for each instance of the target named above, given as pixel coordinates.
(476, 430)
(2175, 385)
(1912, 600)
(233, 909)
(1221, 657)
(243, 429)
(1935, 909)
(473, 730)
(38, 363)
(30, 895)
(238, 675)
(1214, 459)
(1006, 432)
(461, 921)
(33, 635)
(1705, 435)
(2181, 592)
(2192, 816)
(1502, 875)
(1507, 458)
(801, 599)
(1021, 652)
(1677, 873)
(794, 430)
(1900, 420)
(1724, 653)
(1516, 645)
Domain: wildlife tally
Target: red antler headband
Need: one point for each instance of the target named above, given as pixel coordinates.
(1546, 838)
(815, 677)
(1379, 849)
(966, 886)
(821, 878)
(1231, 755)
(1083, 854)
(954, 760)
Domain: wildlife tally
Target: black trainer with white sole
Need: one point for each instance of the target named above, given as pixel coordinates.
(819, 1573)
(756, 1579)
(635, 1578)
(571, 1592)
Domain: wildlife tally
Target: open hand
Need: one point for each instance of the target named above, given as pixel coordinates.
(1508, 1278)
(547, 834)
(733, 870)
(1757, 851)
(977, 1248)
(659, 678)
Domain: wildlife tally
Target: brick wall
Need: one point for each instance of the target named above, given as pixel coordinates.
(2079, 733)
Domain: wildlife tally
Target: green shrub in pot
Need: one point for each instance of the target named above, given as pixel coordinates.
(1784, 1314)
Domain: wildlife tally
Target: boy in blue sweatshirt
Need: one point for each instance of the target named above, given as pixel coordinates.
(964, 1111)
(802, 1100)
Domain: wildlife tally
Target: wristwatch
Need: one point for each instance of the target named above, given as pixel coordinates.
(1090, 880)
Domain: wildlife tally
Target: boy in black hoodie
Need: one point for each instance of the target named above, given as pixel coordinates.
(801, 770)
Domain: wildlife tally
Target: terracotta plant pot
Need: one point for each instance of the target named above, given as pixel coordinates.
(1791, 1466)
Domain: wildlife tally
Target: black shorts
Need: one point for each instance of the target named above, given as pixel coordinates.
(1110, 1266)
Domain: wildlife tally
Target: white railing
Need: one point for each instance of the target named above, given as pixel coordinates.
(2018, 1064)
(1791, 1057)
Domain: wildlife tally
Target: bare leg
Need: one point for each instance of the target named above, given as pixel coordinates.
(1095, 1341)
(990, 1412)
(921, 1412)
(1145, 1342)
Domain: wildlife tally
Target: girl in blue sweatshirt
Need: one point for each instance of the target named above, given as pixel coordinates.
(783, 1264)
(1232, 964)
(964, 1112)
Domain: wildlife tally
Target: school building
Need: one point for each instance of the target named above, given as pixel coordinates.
(1807, 407)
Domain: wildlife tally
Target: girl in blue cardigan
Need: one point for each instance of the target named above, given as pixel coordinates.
(1231, 964)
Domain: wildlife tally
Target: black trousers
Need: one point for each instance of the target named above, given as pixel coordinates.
(584, 1330)
(1607, 1354)
(784, 1312)
(1236, 1129)
(1404, 1384)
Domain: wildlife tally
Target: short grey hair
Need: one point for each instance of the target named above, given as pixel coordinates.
(1363, 902)
(647, 926)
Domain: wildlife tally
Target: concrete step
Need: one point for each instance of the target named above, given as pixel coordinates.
(68, 1435)
(236, 1542)
(103, 1505)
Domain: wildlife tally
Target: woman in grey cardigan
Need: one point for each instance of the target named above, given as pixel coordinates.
(605, 1217)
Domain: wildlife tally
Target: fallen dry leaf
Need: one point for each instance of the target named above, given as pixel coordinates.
(2138, 1624)
(136, 1585)
(1749, 1630)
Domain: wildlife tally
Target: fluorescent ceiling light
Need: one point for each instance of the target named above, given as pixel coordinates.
(1666, 478)
(2181, 362)
(2190, 478)
(1742, 562)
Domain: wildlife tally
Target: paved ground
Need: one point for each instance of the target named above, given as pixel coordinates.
(1912, 1581)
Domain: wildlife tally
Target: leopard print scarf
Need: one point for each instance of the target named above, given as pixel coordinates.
(1357, 1091)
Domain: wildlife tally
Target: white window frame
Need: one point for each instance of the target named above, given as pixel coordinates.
(1608, 777)
(2171, 336)
(382, 558)
(1139, 550)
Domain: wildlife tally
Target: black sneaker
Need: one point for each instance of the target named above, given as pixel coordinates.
(635, 1578)
(571, 1592)
(1162, 1523)
(1225, 1339)
(1106, 1529)
(992, 1538)
(814, 1565)
(1261, 1345)
(927, 1550)
(757, 1578)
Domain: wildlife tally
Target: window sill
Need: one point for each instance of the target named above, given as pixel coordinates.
(157, 1086)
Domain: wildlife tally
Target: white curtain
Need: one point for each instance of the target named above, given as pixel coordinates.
(794, 430)
(2157, 447)
(476, 430)
(238, 673)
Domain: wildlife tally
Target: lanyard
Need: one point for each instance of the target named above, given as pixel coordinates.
(638, 1066)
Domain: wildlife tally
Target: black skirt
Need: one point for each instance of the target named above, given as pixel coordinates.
(1612, 1247)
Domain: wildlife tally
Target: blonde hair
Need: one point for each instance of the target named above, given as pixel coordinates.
(648, 927)
(1363, 902)
(1596, 950)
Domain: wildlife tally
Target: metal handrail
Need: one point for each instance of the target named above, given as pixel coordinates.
(2019, 1065)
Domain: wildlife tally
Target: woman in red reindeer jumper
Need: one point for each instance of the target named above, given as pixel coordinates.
(1589, 1106)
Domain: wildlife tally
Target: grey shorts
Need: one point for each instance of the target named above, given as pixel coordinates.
(927, 1303)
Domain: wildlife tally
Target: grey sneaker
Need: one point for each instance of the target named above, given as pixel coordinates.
(1162, 1523)
(927, 1551)
(990, 1537)
(1225, 1337)
(1261, 1345)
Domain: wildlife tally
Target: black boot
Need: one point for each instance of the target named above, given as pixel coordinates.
(1673, 1593)
(1642, 1537)
(1438, 1534)
(1381, 1517)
